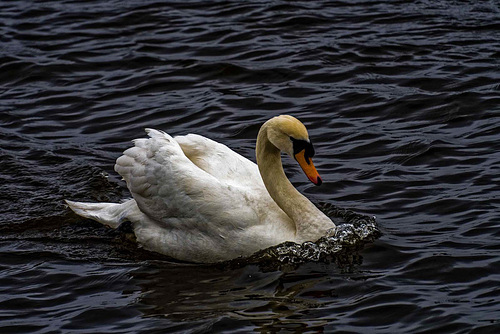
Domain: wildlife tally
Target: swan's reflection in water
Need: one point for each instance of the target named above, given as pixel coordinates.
(264, 299)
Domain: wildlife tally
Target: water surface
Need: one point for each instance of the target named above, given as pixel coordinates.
(401, 99)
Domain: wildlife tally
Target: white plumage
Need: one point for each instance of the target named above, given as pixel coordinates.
(197, 200)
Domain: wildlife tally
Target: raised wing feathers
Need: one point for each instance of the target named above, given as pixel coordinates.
(171, 189)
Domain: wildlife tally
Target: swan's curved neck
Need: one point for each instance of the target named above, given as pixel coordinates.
(310, 222)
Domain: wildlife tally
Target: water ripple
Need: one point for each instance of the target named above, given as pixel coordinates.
(401, 99)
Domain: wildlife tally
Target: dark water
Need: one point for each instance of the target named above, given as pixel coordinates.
(402, 100)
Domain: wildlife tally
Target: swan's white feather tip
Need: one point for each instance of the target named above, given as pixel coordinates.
(153, 133)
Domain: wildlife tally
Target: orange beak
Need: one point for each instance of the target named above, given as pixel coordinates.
(308, 168)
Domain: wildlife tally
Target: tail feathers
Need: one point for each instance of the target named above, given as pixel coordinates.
(110, 214)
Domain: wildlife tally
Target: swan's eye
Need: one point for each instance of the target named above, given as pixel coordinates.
(300, 145)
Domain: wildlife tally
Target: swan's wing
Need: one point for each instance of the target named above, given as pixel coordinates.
(171, 189)
(220, 161)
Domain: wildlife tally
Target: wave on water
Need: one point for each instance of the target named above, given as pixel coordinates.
(340, 245)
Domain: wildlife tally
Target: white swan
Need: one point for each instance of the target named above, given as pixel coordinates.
(197, 200)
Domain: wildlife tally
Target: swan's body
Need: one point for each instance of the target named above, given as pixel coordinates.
(197, 200)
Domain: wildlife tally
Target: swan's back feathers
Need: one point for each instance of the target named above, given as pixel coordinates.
(173, 191)
(219, 160)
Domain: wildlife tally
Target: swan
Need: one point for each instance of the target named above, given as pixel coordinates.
(196, 200)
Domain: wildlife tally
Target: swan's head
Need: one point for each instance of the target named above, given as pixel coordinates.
(289, 135)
